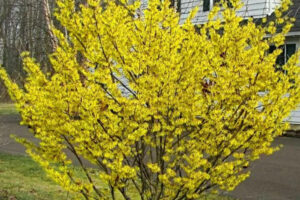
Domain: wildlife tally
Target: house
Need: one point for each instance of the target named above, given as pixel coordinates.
(256, 9)
(292, 43)
(252, 8)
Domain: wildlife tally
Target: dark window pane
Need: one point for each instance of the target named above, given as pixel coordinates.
(280, 59)
(178, 6)
(229, 4)
(206, 5)
(290, 50)
(272, 49)
(287, 51)
(172, 3)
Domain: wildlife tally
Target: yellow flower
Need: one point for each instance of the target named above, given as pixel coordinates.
(154, 105)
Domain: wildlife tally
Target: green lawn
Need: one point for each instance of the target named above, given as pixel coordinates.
(22, 179)
(7, 109)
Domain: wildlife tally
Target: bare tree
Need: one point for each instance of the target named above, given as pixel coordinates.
(49, 23)
(25, 25)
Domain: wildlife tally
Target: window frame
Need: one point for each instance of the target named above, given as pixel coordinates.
(211, 5)
(204, 9)
(285, 46)
(285, 56)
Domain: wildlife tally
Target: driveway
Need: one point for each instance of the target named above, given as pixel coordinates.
(275, 177)
(9, 124)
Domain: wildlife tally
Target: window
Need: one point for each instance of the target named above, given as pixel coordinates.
(208, 4)
(290, 50)
(287, 51)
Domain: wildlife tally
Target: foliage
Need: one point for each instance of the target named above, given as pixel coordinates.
(168, 109)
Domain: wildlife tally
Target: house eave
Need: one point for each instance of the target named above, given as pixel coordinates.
(293, 33)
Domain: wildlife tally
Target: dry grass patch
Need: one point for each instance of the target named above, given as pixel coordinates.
(7, 109)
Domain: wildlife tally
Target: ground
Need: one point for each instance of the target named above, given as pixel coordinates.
(275, 177)
(22, 179)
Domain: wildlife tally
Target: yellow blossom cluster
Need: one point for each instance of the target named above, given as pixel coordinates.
(162, 110)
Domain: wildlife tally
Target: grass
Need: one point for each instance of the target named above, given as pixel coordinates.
(22, 179)
(7, 109)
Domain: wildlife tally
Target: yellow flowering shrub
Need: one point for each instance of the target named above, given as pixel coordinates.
(162, 110)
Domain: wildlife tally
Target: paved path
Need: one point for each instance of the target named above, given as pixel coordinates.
(9, 124)
(275, 177)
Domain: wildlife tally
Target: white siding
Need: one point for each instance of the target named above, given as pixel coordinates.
(274, 3)
(144, 4)
(294, 118)
(251, 8)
